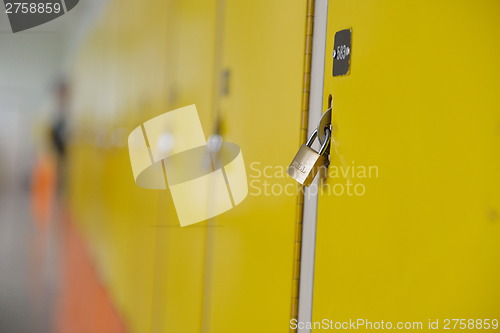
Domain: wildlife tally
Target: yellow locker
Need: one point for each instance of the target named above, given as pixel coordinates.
(180, 262)
(248, 275)
(420, 239)
(119, 82)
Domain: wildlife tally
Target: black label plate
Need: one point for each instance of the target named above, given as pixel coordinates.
(342, 52)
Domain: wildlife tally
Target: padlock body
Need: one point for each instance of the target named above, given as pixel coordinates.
(305, 165)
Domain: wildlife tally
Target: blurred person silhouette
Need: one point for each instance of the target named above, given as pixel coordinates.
(58, 131)
(48, 177)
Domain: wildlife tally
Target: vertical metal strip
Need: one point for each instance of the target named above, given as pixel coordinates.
(210, 236)
(304, 121)
(310, 209)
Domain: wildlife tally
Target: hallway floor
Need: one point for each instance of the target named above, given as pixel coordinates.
(27, 274)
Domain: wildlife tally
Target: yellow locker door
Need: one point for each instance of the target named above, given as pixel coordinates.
(250, 248)
(417, 130)
(180, 256)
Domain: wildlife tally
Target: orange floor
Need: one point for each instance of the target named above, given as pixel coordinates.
(83, 304)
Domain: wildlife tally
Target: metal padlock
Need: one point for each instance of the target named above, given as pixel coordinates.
(307, 161)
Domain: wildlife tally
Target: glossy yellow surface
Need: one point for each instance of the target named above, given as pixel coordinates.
(251, 247)
(231, 274)
(190, 57)
(125, 74)
(421, 104)
(118, 81)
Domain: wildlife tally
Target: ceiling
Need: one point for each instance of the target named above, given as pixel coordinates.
(31, 61)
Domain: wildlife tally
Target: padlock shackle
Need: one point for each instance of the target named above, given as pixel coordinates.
(312, 137)
(325, 144)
